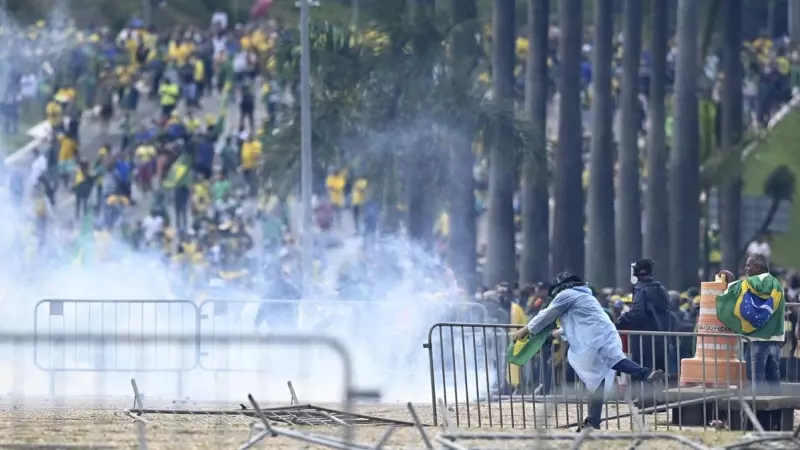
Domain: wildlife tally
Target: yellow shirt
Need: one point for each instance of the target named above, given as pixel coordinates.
(442, 226)
(359, 191)
(124, 75)
(145, 153)
(199, 71)
(335, 184)
(183, 52)
(80, 177)
(68, 148)
(251, 152)
(53, 112)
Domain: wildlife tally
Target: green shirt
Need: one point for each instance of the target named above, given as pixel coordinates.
(219, 189)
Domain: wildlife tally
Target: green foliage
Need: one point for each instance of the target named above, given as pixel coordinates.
(387, 91)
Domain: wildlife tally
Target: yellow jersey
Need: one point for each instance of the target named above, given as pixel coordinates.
(68, 148)
(251, 152)
(335, 184)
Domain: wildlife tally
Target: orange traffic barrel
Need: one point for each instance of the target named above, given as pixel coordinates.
(715, 362)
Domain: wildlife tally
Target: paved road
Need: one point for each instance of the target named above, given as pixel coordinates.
(92, 139)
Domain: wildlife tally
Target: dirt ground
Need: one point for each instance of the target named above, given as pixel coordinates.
(91, 426)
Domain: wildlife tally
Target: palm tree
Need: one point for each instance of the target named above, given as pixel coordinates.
(684, 187)
(629, 202)
(656, 236)
(535, 258)
(731, 183)
(501, 251)
(462, 242)
(568, 217)
(600, 209)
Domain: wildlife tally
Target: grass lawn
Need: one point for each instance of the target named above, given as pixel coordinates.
(781, 147)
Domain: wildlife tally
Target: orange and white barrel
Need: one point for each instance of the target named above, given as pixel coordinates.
(715, 362)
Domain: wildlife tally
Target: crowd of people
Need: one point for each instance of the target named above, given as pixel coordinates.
(157, 136)
(183, 178)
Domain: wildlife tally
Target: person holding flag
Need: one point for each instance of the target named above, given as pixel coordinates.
(179, 178)
(595, 348)
(755, 307)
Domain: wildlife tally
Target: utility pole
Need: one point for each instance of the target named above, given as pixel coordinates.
(305, 150)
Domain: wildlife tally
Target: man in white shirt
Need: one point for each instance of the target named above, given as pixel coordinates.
(152, 226)
(38, 167)
(759, 247)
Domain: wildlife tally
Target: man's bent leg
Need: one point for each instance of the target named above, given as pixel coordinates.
(637, 372)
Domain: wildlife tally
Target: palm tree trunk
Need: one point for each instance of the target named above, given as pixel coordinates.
(629, 201)
(600, 208)
(684, 172)
(568, 218)
(656, 243)
(731, 186)
(462, 242)
(535, 260)
(501, 252)
(420, 167)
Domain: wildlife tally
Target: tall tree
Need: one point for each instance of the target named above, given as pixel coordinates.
(535, 260)
(656, 236)
(501, 251)
(684, 186)
(568, 217)
(461, 248)
(629, 206)
(600, 266)
(421, 167)
(731, 186)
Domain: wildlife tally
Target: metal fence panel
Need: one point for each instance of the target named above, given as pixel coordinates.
(235, 318)
(122, 321)
(202, 421)
(469, 373)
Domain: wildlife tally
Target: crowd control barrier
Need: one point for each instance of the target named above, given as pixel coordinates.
(332, 317)
(20, 383)
(124, 321)
(469, 373)
(117, 323)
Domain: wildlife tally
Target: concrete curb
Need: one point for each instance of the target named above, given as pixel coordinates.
(39, 133)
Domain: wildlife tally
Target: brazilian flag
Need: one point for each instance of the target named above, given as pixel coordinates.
(84, 244)
(179, 174)
(753, 306)
(521, 351)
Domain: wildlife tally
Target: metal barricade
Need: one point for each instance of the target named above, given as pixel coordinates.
(187, 425)
(469, 374)
(325, 316)
(790, 351)
(118, 323)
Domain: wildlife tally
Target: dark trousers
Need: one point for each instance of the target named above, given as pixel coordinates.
(597, 398)
(357, 217)
(81, 205)
(763, 360)
(181, 207)
(543, 370)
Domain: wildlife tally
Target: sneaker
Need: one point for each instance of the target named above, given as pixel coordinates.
(656, 375)
(586, 424)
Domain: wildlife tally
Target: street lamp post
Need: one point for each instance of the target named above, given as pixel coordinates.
(305, 149)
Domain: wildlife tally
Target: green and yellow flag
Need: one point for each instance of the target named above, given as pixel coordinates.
(753, 306)
(521, 351)
(179, 174)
